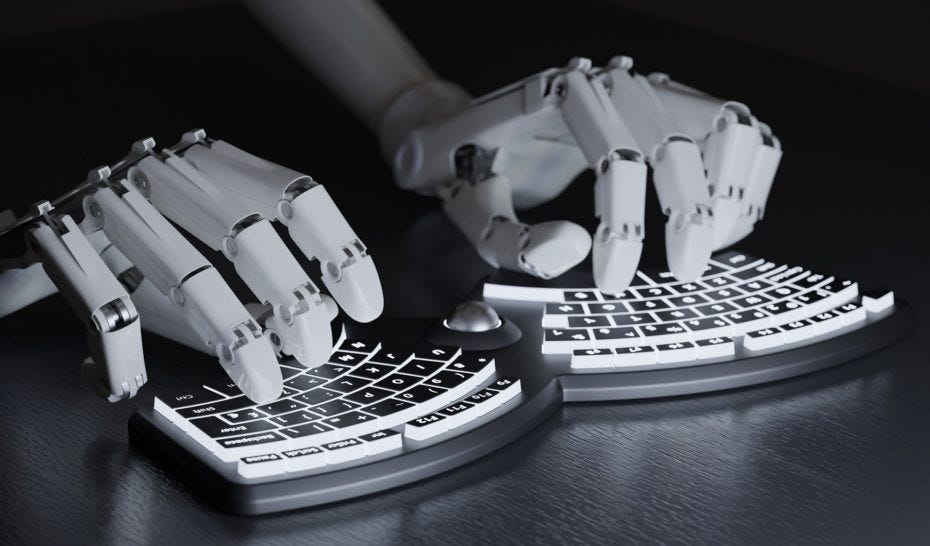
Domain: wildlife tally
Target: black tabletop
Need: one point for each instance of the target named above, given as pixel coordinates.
(838, 456)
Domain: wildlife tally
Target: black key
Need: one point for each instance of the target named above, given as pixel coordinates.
(304, 382)
(653, 292)
(848, 307)
(254, 439)
(359, 345)
(317, 396)
(796, 325)
(349, 419)
(242, 416)
(675, 314)
(253, 459)
(812, 296)
(782, 291)
(447, 379)
(564, 309)
(733, 258)
(387, 407)
(837, 285)
(675, 346)
(712, 269)
(226, 387)
(603, 308)
(591, 352)
(716, 308)
(426, 420)
(696, 325)
(388, 356)
(421, 393)
(471, 362)
(666, 328)
(398, 381)
(287, 392)
(381, 434)
(565, 334)
(579, 295)
(347, 384)
(288, 372)
(621, 332)
(780, 307)
(633, 318)
(756, 285)
(214, 427)
(719, 281)
(285, 405)
(481, 396)
(373, 371)
(220, 406)
(328, 371)
(456, 408)
(436, 352)
(625, 295)
(811, 280)
(752, 272)
(787, 275)
(345, 359)
(724, 294)
(826, 315)
(302, 431)
(647, 305)
(689, 299)
(334, 407)
(342, 444)
(751, 301)
(633, 350)
(687, 287)
(190, 397)
(295, 418)
(502, 383)
(746, 316)
(585, 322)
(422, 368)
(765, 332)
(368, 395)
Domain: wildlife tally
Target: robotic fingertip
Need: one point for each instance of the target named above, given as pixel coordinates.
(554, 248)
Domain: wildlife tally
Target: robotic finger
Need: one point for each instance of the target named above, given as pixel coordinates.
(116, 367)
(194, 287)
(620, 189)
(678, 170)
(313, 221)
(298, 324)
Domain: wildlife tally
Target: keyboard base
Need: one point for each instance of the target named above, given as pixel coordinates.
(546, 387)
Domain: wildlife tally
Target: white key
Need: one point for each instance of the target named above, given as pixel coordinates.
(484, 400)
(715, 347)
(764, 338)
(879, 304)
(522, 293)
(233, 449)
(344, 450)
(799, 330)
(382, 441)
(852, 313)
(257, 466)
(304, 458)
(675, 352)
(592, 358)
(423, 428)
(642, 355)
(827, 322)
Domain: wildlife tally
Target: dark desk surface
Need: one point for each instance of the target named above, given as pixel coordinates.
(840, 456)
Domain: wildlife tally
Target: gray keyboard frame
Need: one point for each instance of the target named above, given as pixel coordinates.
(547, 382)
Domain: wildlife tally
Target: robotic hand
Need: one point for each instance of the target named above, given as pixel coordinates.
(712, 161)
(125, 255)
(712, 164)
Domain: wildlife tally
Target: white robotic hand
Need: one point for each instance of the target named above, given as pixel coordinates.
(125, 255)
(712, 164)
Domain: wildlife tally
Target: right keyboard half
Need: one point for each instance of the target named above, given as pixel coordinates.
(741, 307)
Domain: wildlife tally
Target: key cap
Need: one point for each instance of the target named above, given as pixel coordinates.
(675, 315)
(353, 423)
(716, 308)
(381, 441)
(579, 295)
(681, 351)
(422, 368)
(632, 319)
(715, 347)
(447, 379)
(309, 434)
(304, 382)
(558, 341)
(690, 299)
(294, 418)
(723, 294)
(317, 396)
(359, 345)
(877, 302)
(398, 382)
(653, 292)
(592, 358)
(388, 356)
(344, 450)
(225, 387)
(751, 301)
(458, 414)
(564, 309)
(640, 355)
(484, 400)
(422, 393)
(666, 332)
(647, 305)
(304, 458)
(472, 362)
(215, 427)
(388, 407)
(852, 313)
(423, 428)
(285, 405)
(765, 338)
(193, 397)
(220, 406)
(334, 407)
(257, 466)
(783, 291)
(328, 371)
(368, 395)
(607, 308)
(372, 371)
(507, 388)
(798, 330)
(232, 449)
(745, 321)
(708, 327)
(347, 384)
(753, 286)
(588, 322)
(340, 358)
(242, 416)
(688, 287)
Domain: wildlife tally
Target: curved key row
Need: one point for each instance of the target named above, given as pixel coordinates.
(368, 400)
(740, 300)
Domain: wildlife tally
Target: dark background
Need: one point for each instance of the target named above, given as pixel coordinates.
(840, 456)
